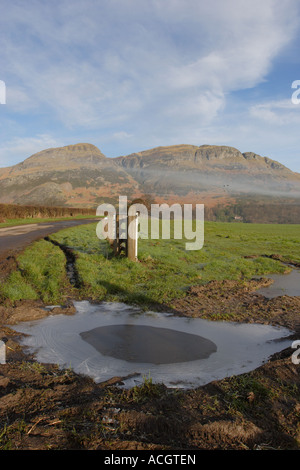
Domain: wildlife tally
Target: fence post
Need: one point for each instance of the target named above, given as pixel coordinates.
(132, 237)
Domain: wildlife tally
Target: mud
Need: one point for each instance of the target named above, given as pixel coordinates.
(240, 302)
(44, 407)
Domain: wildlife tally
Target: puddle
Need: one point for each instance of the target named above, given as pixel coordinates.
(154, 345)
(284, 284)
(114, 339)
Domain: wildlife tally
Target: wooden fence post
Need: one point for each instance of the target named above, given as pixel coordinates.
(124, 236)
(132, 237)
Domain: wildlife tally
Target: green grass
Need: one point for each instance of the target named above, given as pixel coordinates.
(244, 391)
(41, 274)
(147, 390)
(165, 269)
(15, 222)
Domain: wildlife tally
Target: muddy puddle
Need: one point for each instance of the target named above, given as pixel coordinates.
(113, 339)
(284, 284)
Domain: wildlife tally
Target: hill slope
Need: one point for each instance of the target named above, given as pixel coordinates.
(81, 175)
(185, 170)
(73, 175)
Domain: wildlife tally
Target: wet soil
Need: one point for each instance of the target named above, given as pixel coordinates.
(44, 407)
(239, 301)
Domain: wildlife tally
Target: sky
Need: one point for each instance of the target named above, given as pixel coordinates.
(129, 75)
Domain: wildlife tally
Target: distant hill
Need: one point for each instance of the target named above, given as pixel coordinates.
(187, 170)
(75, 175)
(81, 175)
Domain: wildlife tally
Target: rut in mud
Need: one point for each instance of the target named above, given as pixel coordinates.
(72, 272)
(8, 264)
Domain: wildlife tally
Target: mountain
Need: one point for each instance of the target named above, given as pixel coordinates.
(74, 175)
(187, 171)
(81, 175)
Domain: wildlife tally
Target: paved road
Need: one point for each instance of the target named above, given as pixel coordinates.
(18, 237)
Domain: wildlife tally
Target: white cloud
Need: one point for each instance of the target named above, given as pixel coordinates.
(159, 70)
(91, 62)
(18, 100)
(279, 113)
(121, 135)
(17, 149)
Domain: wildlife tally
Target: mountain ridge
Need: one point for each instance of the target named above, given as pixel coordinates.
(208, 153)
(80, 174)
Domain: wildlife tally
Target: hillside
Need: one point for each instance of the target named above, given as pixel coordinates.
(77, 175)
(81, 175)
(187, 171)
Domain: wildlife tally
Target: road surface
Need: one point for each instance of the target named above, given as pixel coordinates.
(18, 237)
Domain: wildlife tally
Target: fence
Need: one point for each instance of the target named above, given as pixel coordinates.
(124, 234)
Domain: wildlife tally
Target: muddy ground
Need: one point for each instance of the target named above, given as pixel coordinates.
(43, 407)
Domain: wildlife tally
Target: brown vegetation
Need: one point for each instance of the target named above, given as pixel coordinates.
(12, 211)
(252, 211)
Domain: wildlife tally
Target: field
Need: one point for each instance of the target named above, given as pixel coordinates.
(165, 270)
(45, 407)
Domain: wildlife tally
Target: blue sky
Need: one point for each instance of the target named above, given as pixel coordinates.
(128, 75)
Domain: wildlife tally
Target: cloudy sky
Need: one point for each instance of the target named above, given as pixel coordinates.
(127, 75)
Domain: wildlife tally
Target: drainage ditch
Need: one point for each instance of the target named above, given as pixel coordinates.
(71, 269)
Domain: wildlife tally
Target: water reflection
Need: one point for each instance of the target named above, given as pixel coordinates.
(148, 344)
(284, 284)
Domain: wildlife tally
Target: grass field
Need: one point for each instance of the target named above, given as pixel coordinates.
(165, 269)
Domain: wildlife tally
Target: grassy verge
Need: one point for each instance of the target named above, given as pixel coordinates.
(41, 274)
(14, 222)
(165, 269)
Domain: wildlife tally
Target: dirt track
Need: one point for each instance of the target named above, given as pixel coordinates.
(18, 237)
